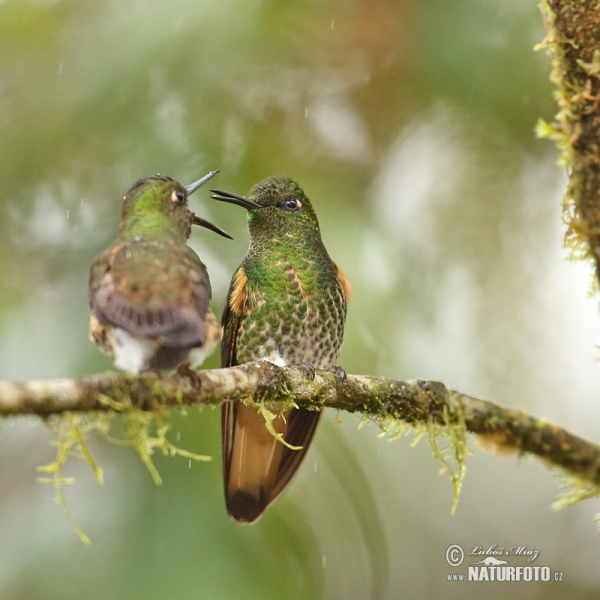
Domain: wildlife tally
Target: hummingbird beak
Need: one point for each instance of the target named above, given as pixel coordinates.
(232, 198)
(204, 223)
(190, 189)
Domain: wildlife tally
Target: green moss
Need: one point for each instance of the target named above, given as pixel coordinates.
(272, 410)
(448, 442)
(576, 490)
(71, 430)
(145, 431)
(454, 451)
(269, 417)
(572, 39)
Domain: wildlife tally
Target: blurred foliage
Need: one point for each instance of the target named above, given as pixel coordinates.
(410, 126)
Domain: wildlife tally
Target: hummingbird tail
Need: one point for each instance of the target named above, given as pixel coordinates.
(256, 466)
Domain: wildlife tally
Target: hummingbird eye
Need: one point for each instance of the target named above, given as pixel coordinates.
(291, 203)
(178, 196)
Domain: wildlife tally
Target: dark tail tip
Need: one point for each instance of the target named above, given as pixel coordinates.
(244, 507)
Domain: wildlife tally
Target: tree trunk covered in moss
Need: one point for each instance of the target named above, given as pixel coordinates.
(573, 39)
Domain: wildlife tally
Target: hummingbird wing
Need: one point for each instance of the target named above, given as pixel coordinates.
(256, 466)
(150, 293)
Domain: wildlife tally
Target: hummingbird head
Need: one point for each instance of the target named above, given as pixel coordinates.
(277, 208)
(159, 205)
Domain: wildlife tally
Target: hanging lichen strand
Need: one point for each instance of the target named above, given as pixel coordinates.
(424, 406)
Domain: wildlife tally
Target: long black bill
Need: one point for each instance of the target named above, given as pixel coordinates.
(204, 223)
(190, 189)
(232, 198)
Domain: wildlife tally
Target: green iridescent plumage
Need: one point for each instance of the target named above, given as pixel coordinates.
(149, 291)
(287, 305)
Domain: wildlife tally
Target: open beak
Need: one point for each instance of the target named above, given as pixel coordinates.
(235, 199)
(190, 189)
(204, 223)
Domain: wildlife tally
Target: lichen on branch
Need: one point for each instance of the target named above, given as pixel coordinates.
(424, 405)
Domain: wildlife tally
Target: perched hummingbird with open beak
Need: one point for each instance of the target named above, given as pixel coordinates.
(149, 291)
(286, 305)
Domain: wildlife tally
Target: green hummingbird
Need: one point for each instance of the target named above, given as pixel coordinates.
(149, 291)
(286, 305)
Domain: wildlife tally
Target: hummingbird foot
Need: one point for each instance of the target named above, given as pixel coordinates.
(185, 371)
(151, 371)
(339, 372)
(309, 369)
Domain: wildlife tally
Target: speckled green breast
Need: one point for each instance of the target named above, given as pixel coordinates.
(295, 310)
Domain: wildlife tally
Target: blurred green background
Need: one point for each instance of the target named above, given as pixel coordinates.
(410, 126)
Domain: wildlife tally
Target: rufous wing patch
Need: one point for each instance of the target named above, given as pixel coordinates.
(346, 285)
(238, 295)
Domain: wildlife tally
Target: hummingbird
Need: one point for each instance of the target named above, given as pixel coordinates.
(149, 291)
(287, 305)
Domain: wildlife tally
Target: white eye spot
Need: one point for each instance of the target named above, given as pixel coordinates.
(178, 196)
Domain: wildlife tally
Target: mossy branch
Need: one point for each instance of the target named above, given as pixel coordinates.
(421, 404)
(573, 39)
